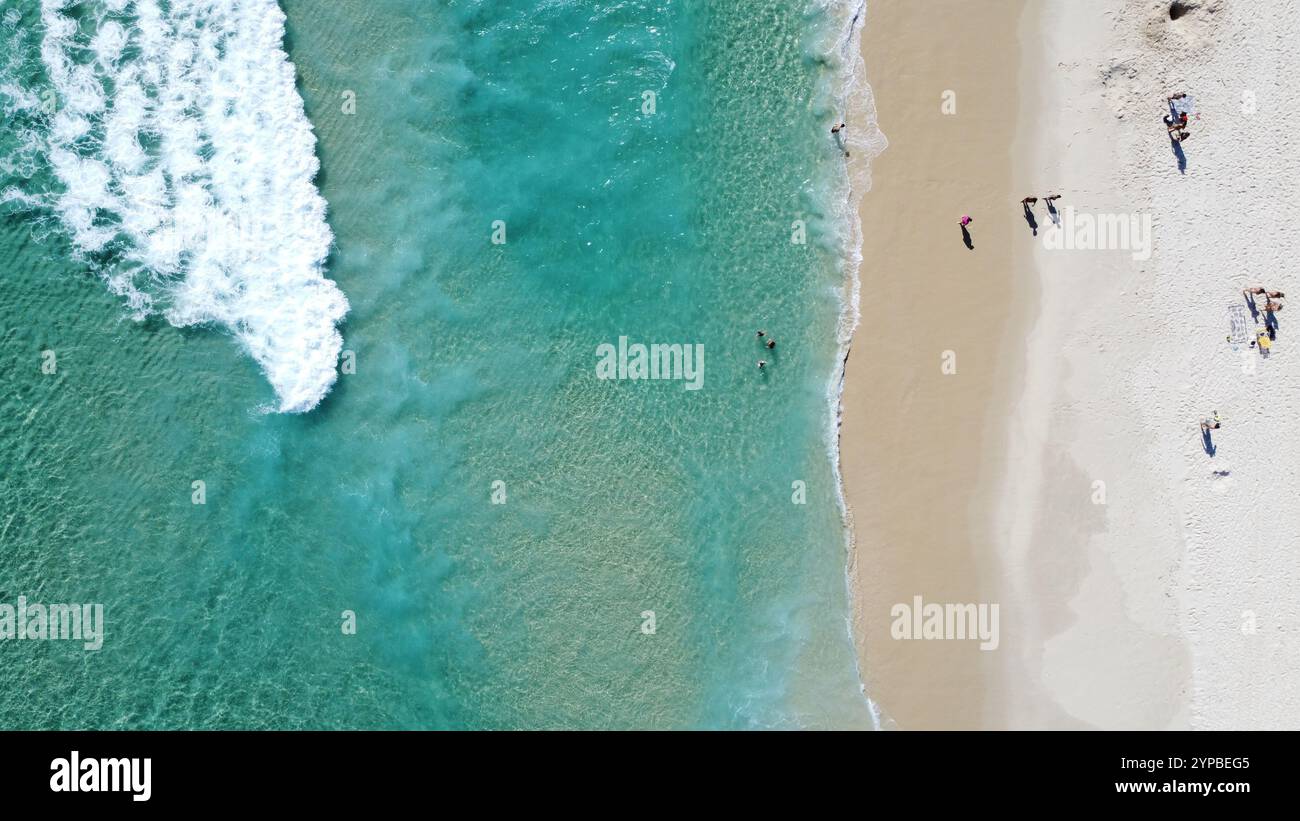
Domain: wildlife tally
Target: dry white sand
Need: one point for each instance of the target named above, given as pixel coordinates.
(1170, 595)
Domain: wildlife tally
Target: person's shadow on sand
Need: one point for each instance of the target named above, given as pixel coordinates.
(1029, 218)
(1177, 146)
(965, 237)
(1271, 324)
(1254, 309)
(1207, 441)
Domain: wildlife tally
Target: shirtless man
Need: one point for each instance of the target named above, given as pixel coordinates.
(1258, 291)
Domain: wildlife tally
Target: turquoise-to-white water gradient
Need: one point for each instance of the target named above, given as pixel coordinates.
(251, 246)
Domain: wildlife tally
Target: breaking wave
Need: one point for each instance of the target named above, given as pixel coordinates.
(175, 152)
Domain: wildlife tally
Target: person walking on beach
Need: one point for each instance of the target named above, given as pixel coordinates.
(836, 129)
(1051, 208)
(1207, 439)
(1270, 308)
(1027, 203)
(1271, 305)
(966, 219)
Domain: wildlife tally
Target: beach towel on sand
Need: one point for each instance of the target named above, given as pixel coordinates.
(1183, 106)
(1238, 330)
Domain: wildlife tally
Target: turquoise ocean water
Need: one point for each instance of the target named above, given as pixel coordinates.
(475, 364)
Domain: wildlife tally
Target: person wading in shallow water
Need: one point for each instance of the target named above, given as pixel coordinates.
(839, 138)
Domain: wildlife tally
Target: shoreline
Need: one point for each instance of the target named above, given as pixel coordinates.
(868, 141)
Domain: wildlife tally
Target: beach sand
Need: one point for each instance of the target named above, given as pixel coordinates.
(1144, 579)
(915, 454)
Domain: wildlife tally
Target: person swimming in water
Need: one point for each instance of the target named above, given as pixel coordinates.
(771, 343)
(762, 363)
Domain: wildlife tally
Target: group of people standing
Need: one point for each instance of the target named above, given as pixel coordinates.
(1263, 340)
(1264, 336)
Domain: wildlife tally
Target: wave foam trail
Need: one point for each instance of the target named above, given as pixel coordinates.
(186, 168)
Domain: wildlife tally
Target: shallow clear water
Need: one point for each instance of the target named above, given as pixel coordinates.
(475, 364)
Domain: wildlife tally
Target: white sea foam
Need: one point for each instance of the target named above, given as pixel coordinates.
(865, 142)
(181, 146)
